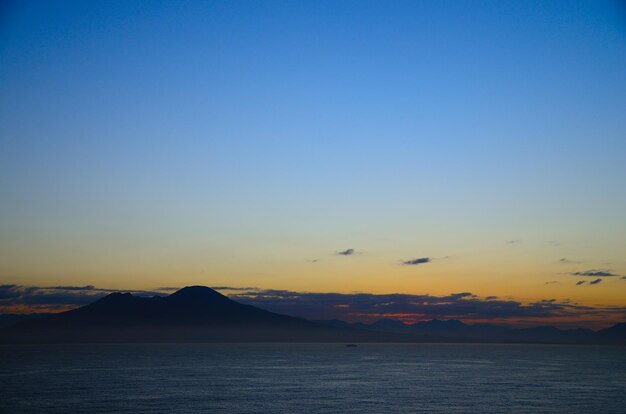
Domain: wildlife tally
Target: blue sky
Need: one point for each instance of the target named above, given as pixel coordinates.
(155, 143)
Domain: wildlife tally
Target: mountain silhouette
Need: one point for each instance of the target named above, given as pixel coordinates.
(191, 314)
(190, 306)
(200, 314)
(616, 333)
(457, 331)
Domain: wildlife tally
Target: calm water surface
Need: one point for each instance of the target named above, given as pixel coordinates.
(312, 378)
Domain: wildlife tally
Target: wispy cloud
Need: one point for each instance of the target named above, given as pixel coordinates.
(347, 252)
(516, 241)
(73, 288)
(565, 260)
(233, 288)
(590, 282)
(594, 273)
(419, 261)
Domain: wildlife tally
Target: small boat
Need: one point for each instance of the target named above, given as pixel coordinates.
(351, 345)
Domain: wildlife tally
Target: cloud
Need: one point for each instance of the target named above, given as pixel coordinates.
(565, 260)
(552, 282)
(591, 282)
(51, 298)
(369, 307)
(421, 260)
(346, 252)
(232, 288)
(516, 241)
(461, 295)
(594, 273)
(73, 288)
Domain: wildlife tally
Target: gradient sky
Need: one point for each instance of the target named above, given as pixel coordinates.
(147, 144)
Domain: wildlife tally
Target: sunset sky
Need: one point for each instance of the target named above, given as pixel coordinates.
(386, 147)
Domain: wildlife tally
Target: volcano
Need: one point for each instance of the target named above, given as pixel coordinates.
(191, 314)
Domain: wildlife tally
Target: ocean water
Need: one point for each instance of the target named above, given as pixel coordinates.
(312, 378)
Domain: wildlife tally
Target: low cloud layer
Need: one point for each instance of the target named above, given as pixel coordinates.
(465, 306)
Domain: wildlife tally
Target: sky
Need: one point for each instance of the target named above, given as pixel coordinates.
(383, 147)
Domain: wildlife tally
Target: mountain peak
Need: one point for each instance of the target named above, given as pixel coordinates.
(196, 293)
(116, 297)
(191, 314)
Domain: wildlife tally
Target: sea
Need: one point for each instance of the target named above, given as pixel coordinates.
(312, 378)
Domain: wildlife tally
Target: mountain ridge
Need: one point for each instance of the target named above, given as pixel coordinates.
(458, 330)
(201, 314)
(191, 314)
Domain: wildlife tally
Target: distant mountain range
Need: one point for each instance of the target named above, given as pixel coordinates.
(200, 314)
(457, 330)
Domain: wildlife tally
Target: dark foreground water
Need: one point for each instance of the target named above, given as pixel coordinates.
(312, 378)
